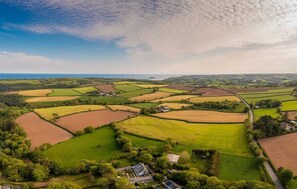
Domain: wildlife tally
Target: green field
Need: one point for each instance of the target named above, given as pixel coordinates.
(267, 111)
(126, 88)
(283, 90)
(21, 81)
(104, 99)
(100, 145)
(238, 168)
(144, 142)
(64, 92)
(293, 184)
(85, 90)
(169, 90)
(279, 97)
(136, 93)
(263, 95)
(47, 113)
(145, 105)
(289, 105)
(226, 138)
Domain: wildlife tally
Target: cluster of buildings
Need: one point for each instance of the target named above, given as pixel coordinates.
(108, 94)
(289, 126)
(163, 109)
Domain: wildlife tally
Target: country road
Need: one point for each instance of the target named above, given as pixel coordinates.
(267, 166)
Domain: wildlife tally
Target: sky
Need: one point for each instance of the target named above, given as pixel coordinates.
(148, 36)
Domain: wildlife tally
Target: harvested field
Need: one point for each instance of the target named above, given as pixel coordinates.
(64, 92)
(169, 90)
(175, 105)
(40, 131)
(181, 87)
(211, 92)
(151, 86)
(124, 108)
(47, 113)
(37, 92)
(282, 150)
(77, 122)
(151, 96)
(176, 98)
(126, 88)
(85, 90)
(292, 115)
(202, 116)
(214, 99)
(106, 88)
(51, 99)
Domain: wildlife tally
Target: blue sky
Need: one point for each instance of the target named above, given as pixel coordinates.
(182, 37)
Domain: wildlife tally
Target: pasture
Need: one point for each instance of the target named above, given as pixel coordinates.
(103, 99)
(99, 145)
(281, 150)
(51, 99)
(211, 92)
(150, 86)
(79, 121)
(246, 168)
(85, 90)
(226, 138)
(40, 132)
(124, 108)
(169, 90)
(151, 96)
(47, 113)
(214, 99)
(64, 92)
(176, 98)
(144, 105)
(289, 105)
(175, 105)
(126, 88)
(37, 92)
(266, 111)
(202, 116)
(136, 93)
(281, 98)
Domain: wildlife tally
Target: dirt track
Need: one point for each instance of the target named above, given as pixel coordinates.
(40, 131)
(282, 150)
(77, 122)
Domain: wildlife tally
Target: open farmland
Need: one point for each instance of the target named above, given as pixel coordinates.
(124, 108)
(292, 115)
(266, 111)
(104, 99)
(40, 132)
(289, 105)
(126, 88)
(106, 88)
(51, 99)
(85, 90)
(100, 144)
(211, 92)
(37, 92)
(79, 121)
(214, 99)
(47, 113)
(282, 98)
(282, 150)
(64, 92)
(151, 96)
(144, 105)
(20, 81)
(176, 98)
(136, 93)
(175, 105)
(150, 86)
(204, 116)
(169, 90)
(227, 138)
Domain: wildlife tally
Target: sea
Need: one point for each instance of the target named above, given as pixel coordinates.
(118, 76)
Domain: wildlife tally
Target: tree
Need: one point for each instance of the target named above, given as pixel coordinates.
(57, 184)
(146, 158)
(56, 116)
(102, 182)
(163, 162)
(166, 148)
(123, 183)
(89, 129)
(184, 157)
(285, 175)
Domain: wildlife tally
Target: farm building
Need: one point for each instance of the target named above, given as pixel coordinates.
(163, 109)
(140, 170)
(173, 158)
(171, 185)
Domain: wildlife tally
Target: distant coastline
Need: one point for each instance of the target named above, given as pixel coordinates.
(118, 76)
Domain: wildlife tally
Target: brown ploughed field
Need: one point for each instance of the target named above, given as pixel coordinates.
(40, 131)
(249, 90)
(282, 150)
(105, 88)
(79, 121)
(211, 92)
(292, 115)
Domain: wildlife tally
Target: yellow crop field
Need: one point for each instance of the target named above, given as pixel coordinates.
(202, 116)
(85, 90)
(51, 99)
(124, 108)
(175, 105)
(37, 92)
(214, 99)
(176, 98)
(47, 113)
(151, 86)
(151, 96)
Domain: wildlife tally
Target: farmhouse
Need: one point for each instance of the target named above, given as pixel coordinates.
(173, 158)
(163, 109)
(171, 185)
(140, 170)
